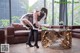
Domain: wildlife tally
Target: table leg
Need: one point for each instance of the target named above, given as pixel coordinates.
(67, 41)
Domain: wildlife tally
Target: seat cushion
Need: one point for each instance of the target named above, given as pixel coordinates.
(22, 32)
(76, 30)
(77, 35)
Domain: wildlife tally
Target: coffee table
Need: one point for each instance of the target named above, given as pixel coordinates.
(48, 37)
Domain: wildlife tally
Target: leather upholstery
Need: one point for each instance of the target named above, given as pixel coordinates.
(76, 31)
(2, 36)
(17, 34)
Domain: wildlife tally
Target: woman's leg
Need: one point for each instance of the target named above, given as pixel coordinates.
(36, 38)
(30, 37)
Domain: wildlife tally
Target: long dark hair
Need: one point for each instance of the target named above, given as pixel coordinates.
(43, 10)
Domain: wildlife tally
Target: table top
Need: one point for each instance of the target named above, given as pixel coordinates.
(57, 29)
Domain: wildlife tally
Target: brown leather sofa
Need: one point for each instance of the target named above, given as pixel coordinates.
(16, 33)
(2, 36)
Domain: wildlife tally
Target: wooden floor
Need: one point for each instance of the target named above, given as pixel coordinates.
(22, 48)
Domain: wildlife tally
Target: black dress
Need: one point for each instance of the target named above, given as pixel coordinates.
(33, 32)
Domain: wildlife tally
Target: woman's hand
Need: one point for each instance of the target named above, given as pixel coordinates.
(37, 25)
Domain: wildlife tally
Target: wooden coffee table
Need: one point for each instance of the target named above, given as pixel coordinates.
(49, 36)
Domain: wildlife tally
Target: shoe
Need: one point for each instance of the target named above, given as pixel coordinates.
(36, 46)
(29, 44)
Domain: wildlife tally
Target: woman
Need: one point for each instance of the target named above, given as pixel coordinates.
(32, 22)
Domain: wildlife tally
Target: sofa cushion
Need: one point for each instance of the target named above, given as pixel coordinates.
(22, 32)
(18, 26)
(77, 35)
(76, 30)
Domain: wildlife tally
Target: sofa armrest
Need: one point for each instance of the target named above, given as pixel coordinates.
(2, 36)
(10, 31)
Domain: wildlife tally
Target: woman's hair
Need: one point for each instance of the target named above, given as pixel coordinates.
(42, 13)
(44, 10)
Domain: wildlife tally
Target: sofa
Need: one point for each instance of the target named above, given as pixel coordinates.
(16, 33)
(76, 31)
(2, 36)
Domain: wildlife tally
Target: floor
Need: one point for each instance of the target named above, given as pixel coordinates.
(23, 48)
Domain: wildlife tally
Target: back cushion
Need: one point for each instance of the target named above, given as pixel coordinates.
(18, 26)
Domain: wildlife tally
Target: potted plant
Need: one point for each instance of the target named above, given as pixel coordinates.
(61, 23)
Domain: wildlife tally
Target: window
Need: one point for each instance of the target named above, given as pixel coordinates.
(18, 8)
(69, 12)
(56, 12)
(4, 13)
(49, 7)
(35, 4)
(76, 19)
(53, 13)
